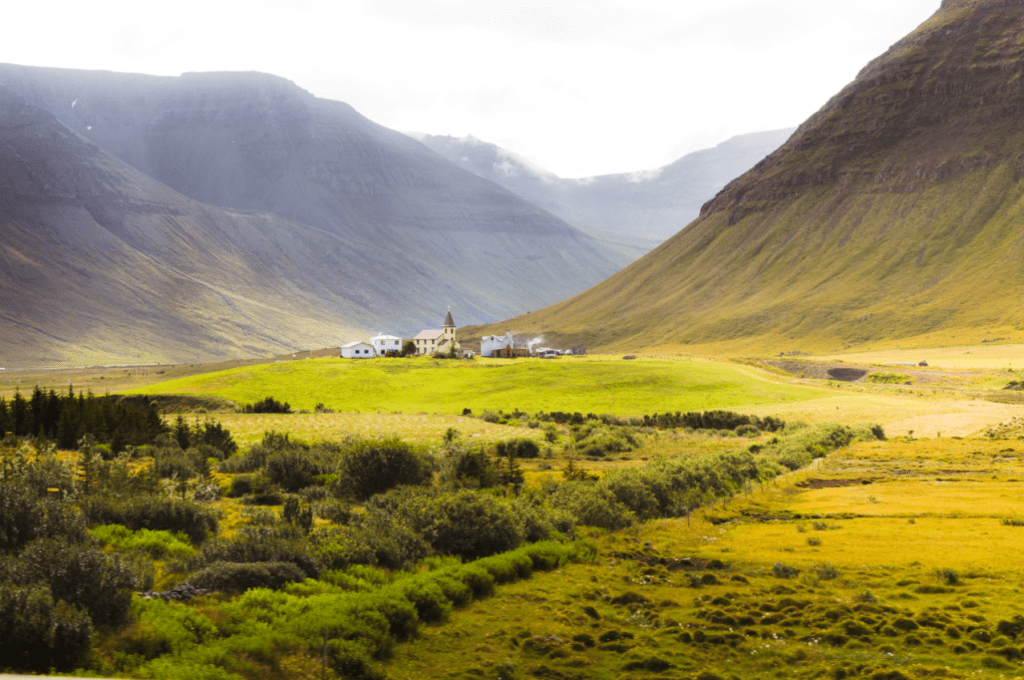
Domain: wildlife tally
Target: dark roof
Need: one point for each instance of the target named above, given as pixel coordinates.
(448, 320)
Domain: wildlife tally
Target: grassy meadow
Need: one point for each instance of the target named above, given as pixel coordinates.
(894, 559)
(914, 574)
(584, 384)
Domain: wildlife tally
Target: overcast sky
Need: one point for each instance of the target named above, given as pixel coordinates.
(580, 88)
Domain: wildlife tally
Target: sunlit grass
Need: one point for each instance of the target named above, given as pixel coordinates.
(585, 384)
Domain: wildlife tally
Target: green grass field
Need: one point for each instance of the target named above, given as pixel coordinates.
(905, 577)
(590, 384)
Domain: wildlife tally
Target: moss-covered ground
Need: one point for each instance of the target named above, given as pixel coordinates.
(894, 559)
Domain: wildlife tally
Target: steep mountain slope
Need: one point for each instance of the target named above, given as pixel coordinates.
(387, 225)
(894, 213)
(99, 262)
(649, 206)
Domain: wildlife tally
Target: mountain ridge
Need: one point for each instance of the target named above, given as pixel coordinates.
(383, 230)
(645, 205)
(891, 215)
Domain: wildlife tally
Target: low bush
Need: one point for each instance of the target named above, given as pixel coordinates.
(273, 543)
(469, 467)
(592, 505)
(78, 574)
(38, 634)
(519, 447)
(235, 577)
(373, 466)
(156, 513)
(267, 405)
(25, 517)
(155, 543)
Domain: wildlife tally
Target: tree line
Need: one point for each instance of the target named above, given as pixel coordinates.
(66, 417)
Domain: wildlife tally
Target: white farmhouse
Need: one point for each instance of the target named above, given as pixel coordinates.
(386, 344)
(357, 350)
(497, 345)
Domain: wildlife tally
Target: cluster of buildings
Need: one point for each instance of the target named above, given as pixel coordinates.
(427, 342)
(445, 341)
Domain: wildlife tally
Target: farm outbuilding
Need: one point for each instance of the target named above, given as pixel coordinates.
(357, 350)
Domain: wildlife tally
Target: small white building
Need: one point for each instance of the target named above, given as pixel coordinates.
(357, 350)
(386, 344)
(492, 344)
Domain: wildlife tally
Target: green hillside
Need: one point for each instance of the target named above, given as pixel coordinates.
(893, 214)
(594, 384)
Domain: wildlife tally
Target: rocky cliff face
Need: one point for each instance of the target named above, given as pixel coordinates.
(892, 214)
(301, 195)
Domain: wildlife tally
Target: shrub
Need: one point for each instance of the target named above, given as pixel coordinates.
(37, 634)
(275, 543)
(233, 577)
(24, 517)
(428, 598)
(153, 512)
(470, 525)
(468, 466)
(155, 543)
(370, 466)
(950, 576)
(747, 431)
(592, 505)
(784, 571)
(292, 469)
(518, 448)
(268, 405)
(79, 575)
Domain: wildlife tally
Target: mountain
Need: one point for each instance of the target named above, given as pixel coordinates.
(894, 213)
(641, 208)
(305, 195)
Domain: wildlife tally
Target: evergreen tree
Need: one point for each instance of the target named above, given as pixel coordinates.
(19, 415)
(182, 432)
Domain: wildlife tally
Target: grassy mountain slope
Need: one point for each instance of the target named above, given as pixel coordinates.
(893, 214)
(333, 222)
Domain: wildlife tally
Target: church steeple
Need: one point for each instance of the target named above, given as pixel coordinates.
(449, 327)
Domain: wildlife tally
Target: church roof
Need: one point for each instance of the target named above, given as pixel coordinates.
(448, 323)
(428, 335)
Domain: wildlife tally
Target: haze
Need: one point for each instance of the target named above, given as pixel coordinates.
(580, 88)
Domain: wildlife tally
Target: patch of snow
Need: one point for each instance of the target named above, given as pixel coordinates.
(73, 103)
(88, 127)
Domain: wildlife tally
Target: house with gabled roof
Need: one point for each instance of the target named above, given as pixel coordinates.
(386, 345)
(357, 349)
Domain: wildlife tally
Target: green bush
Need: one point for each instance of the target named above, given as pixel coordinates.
(592, 505)
(155, 543)
(518, 448)
(276, 543)
(37, 634)
(24, 517)
(292, 469)
(79, 575)
(233, 577)
(469, 524)
(156, 513)
(372, 466)
(431, 603)
(268, 405)
(470, 467)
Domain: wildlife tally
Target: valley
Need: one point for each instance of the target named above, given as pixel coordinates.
(862, 557)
